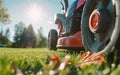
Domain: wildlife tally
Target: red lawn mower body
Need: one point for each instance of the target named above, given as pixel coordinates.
(74, 39)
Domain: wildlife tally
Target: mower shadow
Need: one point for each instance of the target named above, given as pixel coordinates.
(72, 51)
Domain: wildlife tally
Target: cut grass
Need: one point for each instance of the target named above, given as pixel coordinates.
(31, 61)
(28, 53)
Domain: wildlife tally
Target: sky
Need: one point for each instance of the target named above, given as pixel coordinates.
(39, 13)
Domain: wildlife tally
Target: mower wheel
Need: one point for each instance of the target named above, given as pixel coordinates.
(101, 25)
(52, 39)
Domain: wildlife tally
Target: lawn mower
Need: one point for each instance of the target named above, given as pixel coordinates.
(69, 29)
(99, 27)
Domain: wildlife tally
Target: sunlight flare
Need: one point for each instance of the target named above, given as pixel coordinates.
(34, 13)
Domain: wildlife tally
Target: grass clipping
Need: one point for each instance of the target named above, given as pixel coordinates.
(89, 58)
(85, 60)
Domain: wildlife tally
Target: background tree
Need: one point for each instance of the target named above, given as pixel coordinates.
(7, 33)
(19, 29)
(24, 37)
(3, 13)
(4, 41)
(7, 36)
(42, 41)
(2, 38)
(3, 19)
(29, 37)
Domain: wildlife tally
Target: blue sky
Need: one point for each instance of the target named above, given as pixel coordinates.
(19, 10)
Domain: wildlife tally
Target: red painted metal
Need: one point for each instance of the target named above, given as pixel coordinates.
(80, 3)
(74, 41)
(94, 20)
(71, 41)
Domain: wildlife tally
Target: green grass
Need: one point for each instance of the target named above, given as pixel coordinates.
(28, 53)
(31, 61)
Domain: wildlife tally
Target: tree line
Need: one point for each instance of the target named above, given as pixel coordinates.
(24, 36)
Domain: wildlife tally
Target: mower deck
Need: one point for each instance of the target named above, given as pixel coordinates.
(74, 41)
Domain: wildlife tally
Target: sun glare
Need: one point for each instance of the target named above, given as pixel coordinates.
(34, 13)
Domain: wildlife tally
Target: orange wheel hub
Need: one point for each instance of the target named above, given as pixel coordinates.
(94, 20)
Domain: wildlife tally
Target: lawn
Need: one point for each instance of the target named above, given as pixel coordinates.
(28, 53)
(34, 61)
(29, 60)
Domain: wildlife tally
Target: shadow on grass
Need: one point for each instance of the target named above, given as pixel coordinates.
(72, 51)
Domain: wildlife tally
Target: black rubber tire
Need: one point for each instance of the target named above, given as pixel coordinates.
(52, 39)
(114, 40)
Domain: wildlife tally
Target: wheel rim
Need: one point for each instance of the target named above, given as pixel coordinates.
(98, 41)
(94, 20)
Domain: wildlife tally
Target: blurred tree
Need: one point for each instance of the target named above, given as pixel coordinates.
(28, 37)
(19, 29)
(4, 41)
(24, 37)
(42, 41)
(7, 33)
(31, 36)
(3, 13)
(7, 36)
(4, 19)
